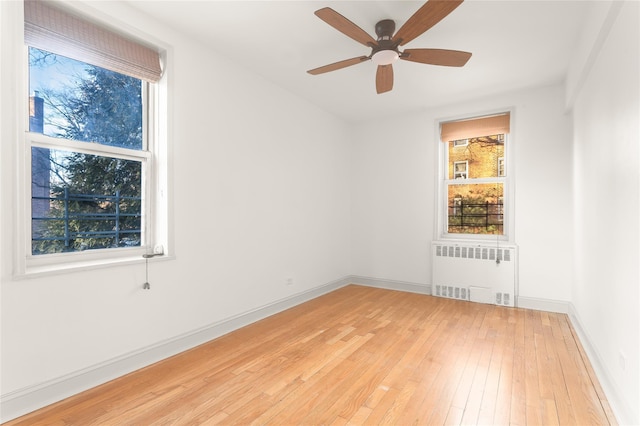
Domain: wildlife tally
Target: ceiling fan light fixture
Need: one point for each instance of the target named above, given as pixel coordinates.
(385, 57)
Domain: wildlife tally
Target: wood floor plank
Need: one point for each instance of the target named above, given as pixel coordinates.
(362, 355)
(520, 361)
(533, 396)
(502, 408)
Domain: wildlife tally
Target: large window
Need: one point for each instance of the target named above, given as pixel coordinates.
(473, 184)
(89, 144)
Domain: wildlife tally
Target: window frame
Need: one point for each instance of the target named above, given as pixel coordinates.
(463, 175)
(156, 223)
(443, 181)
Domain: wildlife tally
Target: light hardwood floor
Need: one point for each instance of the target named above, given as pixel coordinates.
(362, 355)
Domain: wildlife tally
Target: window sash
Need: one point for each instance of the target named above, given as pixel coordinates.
(37, 140)
(494, 212)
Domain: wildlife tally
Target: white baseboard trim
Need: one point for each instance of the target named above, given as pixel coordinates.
(20, 402)
(547, 305)
(391, 284)
(625, 414)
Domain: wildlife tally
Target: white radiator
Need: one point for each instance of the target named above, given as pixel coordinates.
(482, 273)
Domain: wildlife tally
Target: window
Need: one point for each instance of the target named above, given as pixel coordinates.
(460, 169)
(92, 108)
(473, 183)
(460, 142)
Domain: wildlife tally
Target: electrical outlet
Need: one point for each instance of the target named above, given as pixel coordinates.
(289, 281)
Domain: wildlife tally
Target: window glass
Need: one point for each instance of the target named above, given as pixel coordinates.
(475, 208)
(90, 202)
(83, 102)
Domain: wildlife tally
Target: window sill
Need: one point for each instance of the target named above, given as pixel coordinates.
(55, 266)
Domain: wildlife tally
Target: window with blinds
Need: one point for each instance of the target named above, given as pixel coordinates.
(474, 176)
(91, 105)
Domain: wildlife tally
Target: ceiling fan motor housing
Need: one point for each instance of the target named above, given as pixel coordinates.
(385, 29)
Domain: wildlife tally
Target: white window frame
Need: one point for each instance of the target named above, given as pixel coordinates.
(155, 157)
(442, 149)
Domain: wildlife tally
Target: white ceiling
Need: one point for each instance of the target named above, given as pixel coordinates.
(515, 44)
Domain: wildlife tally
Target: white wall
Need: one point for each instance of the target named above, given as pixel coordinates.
(605, 290)
(394, 182)
(392, 199)
(259, 195)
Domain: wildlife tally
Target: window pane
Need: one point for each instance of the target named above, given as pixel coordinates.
(83, 102)
(475, 208)
(481, 157)
(460, 170)
(82, 201)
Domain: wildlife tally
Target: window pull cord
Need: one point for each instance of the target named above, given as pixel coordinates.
(146, 285)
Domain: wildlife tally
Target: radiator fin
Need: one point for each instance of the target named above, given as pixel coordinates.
(482, 253)
(451, 292)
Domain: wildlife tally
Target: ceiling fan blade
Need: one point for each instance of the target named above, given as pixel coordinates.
(447, 58)
(384, 78)
(432, 12)
(338, 65)
(345, 26)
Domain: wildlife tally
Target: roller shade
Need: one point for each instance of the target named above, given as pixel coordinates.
(55, 30)
(483, 126)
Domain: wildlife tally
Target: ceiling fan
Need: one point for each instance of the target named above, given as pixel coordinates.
(385, 50)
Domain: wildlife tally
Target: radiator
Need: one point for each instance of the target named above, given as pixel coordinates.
(481, 273)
